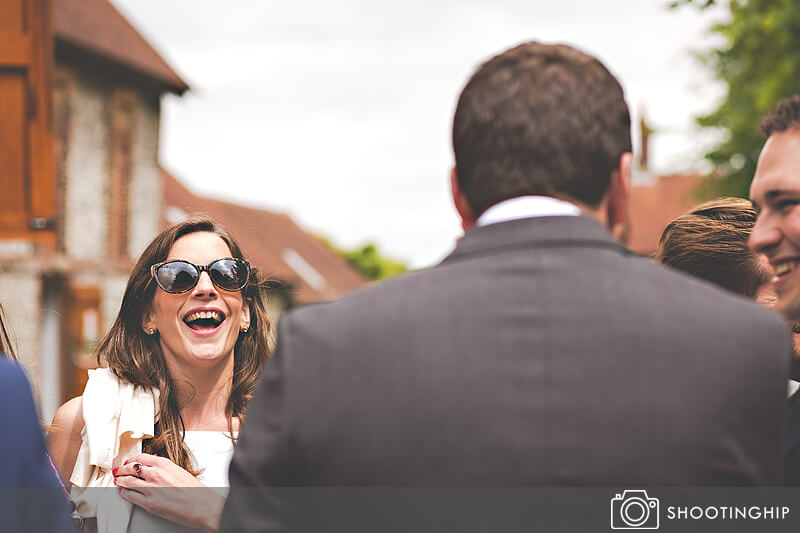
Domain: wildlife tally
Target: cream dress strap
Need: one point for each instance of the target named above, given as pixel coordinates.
(117, 416)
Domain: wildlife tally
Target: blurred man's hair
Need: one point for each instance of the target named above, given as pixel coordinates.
(785, 115)
(539, 120)
(710, 242)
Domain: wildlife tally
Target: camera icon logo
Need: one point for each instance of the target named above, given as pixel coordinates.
(634, 509)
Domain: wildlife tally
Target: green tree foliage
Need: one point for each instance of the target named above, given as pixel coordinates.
(759, 61)
(369, 262)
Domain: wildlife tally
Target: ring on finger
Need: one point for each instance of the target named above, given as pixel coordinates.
(137, 470)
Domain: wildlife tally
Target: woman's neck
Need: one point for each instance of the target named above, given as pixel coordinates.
(202, 395)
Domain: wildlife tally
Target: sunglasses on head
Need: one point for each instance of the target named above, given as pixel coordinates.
(176, 275)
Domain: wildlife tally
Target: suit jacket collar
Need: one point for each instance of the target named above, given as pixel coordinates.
(542, 232)
(793, 427)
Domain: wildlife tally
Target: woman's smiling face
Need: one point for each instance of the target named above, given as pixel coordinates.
(199, 327)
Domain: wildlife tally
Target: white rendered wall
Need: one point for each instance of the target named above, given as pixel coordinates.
(86, 188)
(145, 195)
(20, 295)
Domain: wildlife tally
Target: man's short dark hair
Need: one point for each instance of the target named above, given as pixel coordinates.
(785, 115)
(710, 242)
(539, 119)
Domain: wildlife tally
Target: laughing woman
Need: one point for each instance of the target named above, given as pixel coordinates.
(182, 359)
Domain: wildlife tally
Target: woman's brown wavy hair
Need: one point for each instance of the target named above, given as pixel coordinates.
(137, 358)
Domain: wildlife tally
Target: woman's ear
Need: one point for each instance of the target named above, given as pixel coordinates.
(148, 325)
(245, 319)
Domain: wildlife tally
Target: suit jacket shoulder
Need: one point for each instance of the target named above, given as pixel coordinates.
(537, 338)
(576, 270)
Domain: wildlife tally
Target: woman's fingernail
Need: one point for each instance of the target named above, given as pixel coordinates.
(114, 471)
(156, 455)
(126, 462)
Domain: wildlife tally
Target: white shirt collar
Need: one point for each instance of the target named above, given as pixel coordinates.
(527, 207)
(793, 386)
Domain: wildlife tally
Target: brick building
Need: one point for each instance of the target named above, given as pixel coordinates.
(61, 288)
(70, 234)
(657, 201)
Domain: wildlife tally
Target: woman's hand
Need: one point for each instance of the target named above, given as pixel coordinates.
(161, 487)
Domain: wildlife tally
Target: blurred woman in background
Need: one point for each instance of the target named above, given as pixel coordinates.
(710, 242)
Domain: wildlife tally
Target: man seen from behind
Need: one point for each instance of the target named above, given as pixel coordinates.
(540, 352)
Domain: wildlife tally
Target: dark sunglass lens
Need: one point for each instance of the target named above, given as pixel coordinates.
(229, 274)
(177, 277)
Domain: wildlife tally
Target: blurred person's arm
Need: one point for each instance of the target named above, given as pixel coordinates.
(38, 502)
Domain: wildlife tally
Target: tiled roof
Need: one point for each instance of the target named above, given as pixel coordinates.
(654, 205)
(273, 243)
(97, 27)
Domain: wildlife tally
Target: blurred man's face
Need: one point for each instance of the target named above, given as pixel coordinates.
(775, 193)
(766, 296)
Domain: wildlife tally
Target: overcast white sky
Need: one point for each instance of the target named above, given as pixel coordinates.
(339, 113)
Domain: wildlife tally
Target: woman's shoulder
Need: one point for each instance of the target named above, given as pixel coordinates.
(69, 413)
(64, 436)
(65, 429)
(72, 411)
(67, 422)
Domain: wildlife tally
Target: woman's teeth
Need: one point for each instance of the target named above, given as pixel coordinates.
(200, 320)
(204, 314)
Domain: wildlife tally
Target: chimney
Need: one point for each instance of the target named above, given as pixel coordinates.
(644, 141)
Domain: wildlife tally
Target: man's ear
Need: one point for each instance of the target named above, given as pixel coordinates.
(460, 201)
(619, 195)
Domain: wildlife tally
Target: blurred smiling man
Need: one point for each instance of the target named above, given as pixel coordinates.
(775, 192)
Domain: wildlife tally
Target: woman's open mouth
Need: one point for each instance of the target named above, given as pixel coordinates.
(204, 322)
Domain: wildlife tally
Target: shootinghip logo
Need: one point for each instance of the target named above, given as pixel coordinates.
(634, 509)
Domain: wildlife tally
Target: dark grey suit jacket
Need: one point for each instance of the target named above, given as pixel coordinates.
(539, 353)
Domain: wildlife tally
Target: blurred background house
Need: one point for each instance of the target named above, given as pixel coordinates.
(82, 190)
(657, 199)
(303, 268)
